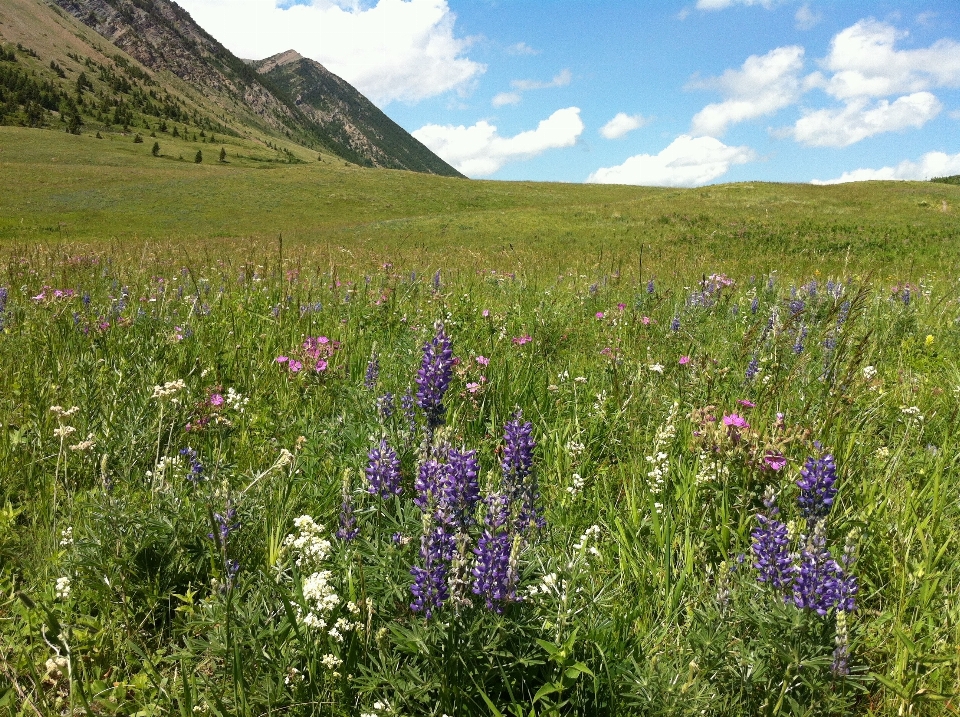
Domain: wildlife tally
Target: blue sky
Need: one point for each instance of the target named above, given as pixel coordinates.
(707, 90)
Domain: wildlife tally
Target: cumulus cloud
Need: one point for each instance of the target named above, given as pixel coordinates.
(686, 162)
(763, 85)
(805, 18)
(724, 4)
(506, 98)
(621, 124)
(859, 120)
(865, 63)
(391, 50)
(479, 151)
(932, 164)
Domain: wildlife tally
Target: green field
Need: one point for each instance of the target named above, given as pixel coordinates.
(168, 413)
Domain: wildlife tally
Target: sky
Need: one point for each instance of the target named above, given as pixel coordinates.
(648, 93)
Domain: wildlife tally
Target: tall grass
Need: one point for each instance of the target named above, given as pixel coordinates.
(163, 509)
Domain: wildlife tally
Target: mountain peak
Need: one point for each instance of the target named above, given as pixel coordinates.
(278, 60)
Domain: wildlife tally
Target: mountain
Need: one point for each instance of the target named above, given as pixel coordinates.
(351, 120)
(148, 64)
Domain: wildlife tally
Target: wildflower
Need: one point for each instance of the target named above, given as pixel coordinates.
(747, 404)
(485, 313)
(196, 467)
(754, 305)
(459, 490)
(66, 537)
(576, 486)
(599, 314)
(224, 525)
(752, 368)
(168, 389)
(656, 367)
(929, 340)
(646, 320)
(798, 344)
(62, 588)
(819, 580)
(483, 360)
(348, 523)
(383, 471)
(684, 360)
(770, 546)
(621, 306)
(650, 286)
(774, 460)
(841, 653)
(429, 586)
(474, 386)
(372, 373)
(817, 490)
(735, 421)
(869, 372)
(434, 376)
(675, 324)
(521, 340)
(493, 577)
(385, 405)
(517, 462)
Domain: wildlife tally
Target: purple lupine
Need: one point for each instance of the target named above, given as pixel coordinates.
(196, 467)
(3, 303)
(430, 477)
(493, 575)
(752, 368)
(650, 287)
(906, 295)
(460, 491)
(798, 344)
(675, 324)
(348, 529)
(817, 489)
(796, 306)
(819, 581)
(754, 305)
(517, 460)
(770, 547)
(383, 471)
(372, 373)
(843, 314)
(429, 586)
(385, 405)
(224, 525)
(434, 376)
(407, 403)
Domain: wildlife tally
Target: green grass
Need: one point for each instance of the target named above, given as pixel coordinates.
(176, 274)
(86, 190)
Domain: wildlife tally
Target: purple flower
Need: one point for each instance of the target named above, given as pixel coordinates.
(224, 525)
(650, 286)
(460, 490)
(493, 575)
(817, 489)
(407, 403)
(3, 303)
(770, 547)
(372, 373)
(383, 471)
(798, 345)
(519, 480)
(752, 368)
(385, 405)
(754, 305)
(434, 376)
(430, 477)
(196, 467)
(429, 586)
(819, 578)
(675, 324)
(348, 523)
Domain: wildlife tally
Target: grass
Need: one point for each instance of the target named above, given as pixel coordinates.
(166, 506)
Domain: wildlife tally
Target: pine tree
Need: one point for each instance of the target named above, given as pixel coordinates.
(223, 154)
(199, 158)
(156, 149)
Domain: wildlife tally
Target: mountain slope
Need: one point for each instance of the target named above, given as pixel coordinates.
(164, 68)
(351, 120)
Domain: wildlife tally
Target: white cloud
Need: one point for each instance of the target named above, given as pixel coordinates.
(621, 124)
(478, 151)
(686, 162)
(865, 63)
(932, 164)
(522, 48)
(506, 98)
(561, 79)
(805, 18)
(392, 50)
(724, 4)
(955, 115)
(858, 120)
(763, 85)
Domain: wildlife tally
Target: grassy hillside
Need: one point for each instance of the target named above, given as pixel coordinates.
(81, 189)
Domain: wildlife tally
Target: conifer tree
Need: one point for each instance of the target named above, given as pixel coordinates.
(223, 154)
(199, 158)
(156, 149)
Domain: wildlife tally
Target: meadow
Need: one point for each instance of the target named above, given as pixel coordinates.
(459, 448)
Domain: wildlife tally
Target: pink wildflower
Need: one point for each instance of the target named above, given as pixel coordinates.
(295, 366)
(521, 340)
(473, 387)
(684, 360)
(734, 420)
(621, 306)
(774, 461)
(746, 403)
(483, 360)
(599, 314)
(485, 313)
(321, 366)
(216, 399)
(281, 359)
(645, 320)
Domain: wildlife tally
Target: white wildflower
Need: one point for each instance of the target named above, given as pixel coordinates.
(576, 488)
(66, 537)
(63, 588)
(63, 431)
(170, 388)
(84, 445)
(331, 662)
(869, 372)
(656, 367)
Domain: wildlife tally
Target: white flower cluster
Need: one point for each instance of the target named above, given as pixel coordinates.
(63, 431)
(911, 411)
(712, 470)
(310, 545)
(62, 588)
(380, 707)
(321, 599)
(56, 665)
(659, 459)
(576, 488)
(656, 367)
(584, 543)
(235, 400)
(61, 412)
(170, 388)
(869, 372)
(549, 584)
(575, 448)
(66, 537)
(165, 464)
(84, 445)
